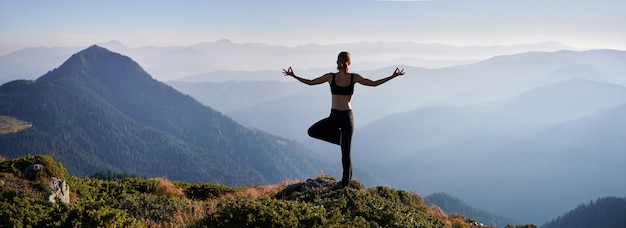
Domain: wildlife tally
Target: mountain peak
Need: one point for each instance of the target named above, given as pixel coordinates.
(97, 62)
(96, 53)
(95, 49)
(111, 43)
(224, 41)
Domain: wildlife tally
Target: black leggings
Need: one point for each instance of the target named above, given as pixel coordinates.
(337, 129)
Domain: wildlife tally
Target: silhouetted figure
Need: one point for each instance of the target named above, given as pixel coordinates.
(338, 127)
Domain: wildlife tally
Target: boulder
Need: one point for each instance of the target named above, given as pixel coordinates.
(308, 188)
(60, 191)
(31, 171)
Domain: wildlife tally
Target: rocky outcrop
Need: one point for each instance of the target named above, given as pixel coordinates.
(60, 191)
(312, 188)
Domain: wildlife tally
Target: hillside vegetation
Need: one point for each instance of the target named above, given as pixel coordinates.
(158, 202)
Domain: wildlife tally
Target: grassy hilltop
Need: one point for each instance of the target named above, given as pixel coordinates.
(121, 201)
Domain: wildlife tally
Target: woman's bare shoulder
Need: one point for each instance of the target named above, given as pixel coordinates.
(357, 76)
(321, 79)
(328, 75)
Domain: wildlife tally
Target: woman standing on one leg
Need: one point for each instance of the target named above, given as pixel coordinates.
(338, 127)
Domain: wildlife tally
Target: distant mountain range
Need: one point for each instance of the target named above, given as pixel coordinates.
(525, 114)
(100, 111)
(566, 142)
(549, 119)
(557, 143)
(492, 80)
(213, 60)
(234, 95)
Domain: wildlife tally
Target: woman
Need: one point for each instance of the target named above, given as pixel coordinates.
(338, 127)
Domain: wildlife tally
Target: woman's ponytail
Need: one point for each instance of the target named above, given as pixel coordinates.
(342, 60)
(341, 66)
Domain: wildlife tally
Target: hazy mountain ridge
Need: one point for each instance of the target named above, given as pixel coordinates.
(30, 63)
(566, 158)
(471, 139)
(101, 111)
(606, 212)
(489, 81)
(450, 204)
(234, 95)
(175, 62)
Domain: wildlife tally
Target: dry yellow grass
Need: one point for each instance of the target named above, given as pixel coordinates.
(439, 214)
(11, 125)
(196, 211)
(166, 188)
(260, 191)
(249, 193)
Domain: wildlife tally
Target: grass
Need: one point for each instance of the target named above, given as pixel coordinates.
(11, 125)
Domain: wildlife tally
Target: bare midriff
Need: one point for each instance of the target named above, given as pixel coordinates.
(341, 102)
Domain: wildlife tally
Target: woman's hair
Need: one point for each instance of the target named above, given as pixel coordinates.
(342, 60)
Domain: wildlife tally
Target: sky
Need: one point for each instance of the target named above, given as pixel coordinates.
(581, 24)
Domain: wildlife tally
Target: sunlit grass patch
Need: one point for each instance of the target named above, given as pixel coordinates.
(10, 124)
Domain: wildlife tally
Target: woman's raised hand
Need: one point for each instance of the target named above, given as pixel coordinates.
(288, 72)
(398, 72)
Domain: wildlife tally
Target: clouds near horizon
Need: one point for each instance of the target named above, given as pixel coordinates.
(582, 24)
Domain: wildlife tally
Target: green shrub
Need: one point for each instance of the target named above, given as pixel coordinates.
(17, 166)
(385, 210)
(19, 210)
(266, 212)
(87, 188)
(521, 226)
(343, 208)
(108, 175)
(204, 191)
(400, 197)
(152, 207)
(106, 216)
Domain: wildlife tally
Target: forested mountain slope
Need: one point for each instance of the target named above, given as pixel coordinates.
(606, 212)
(101, 111)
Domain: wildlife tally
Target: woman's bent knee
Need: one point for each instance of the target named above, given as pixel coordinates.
(312, 133)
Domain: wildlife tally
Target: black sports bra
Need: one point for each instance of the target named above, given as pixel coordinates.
(341, 90)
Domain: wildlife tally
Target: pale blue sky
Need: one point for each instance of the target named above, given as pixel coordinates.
(578, 23)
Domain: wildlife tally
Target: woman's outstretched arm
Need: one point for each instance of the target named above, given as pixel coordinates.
(320, 80)
(368, 82)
